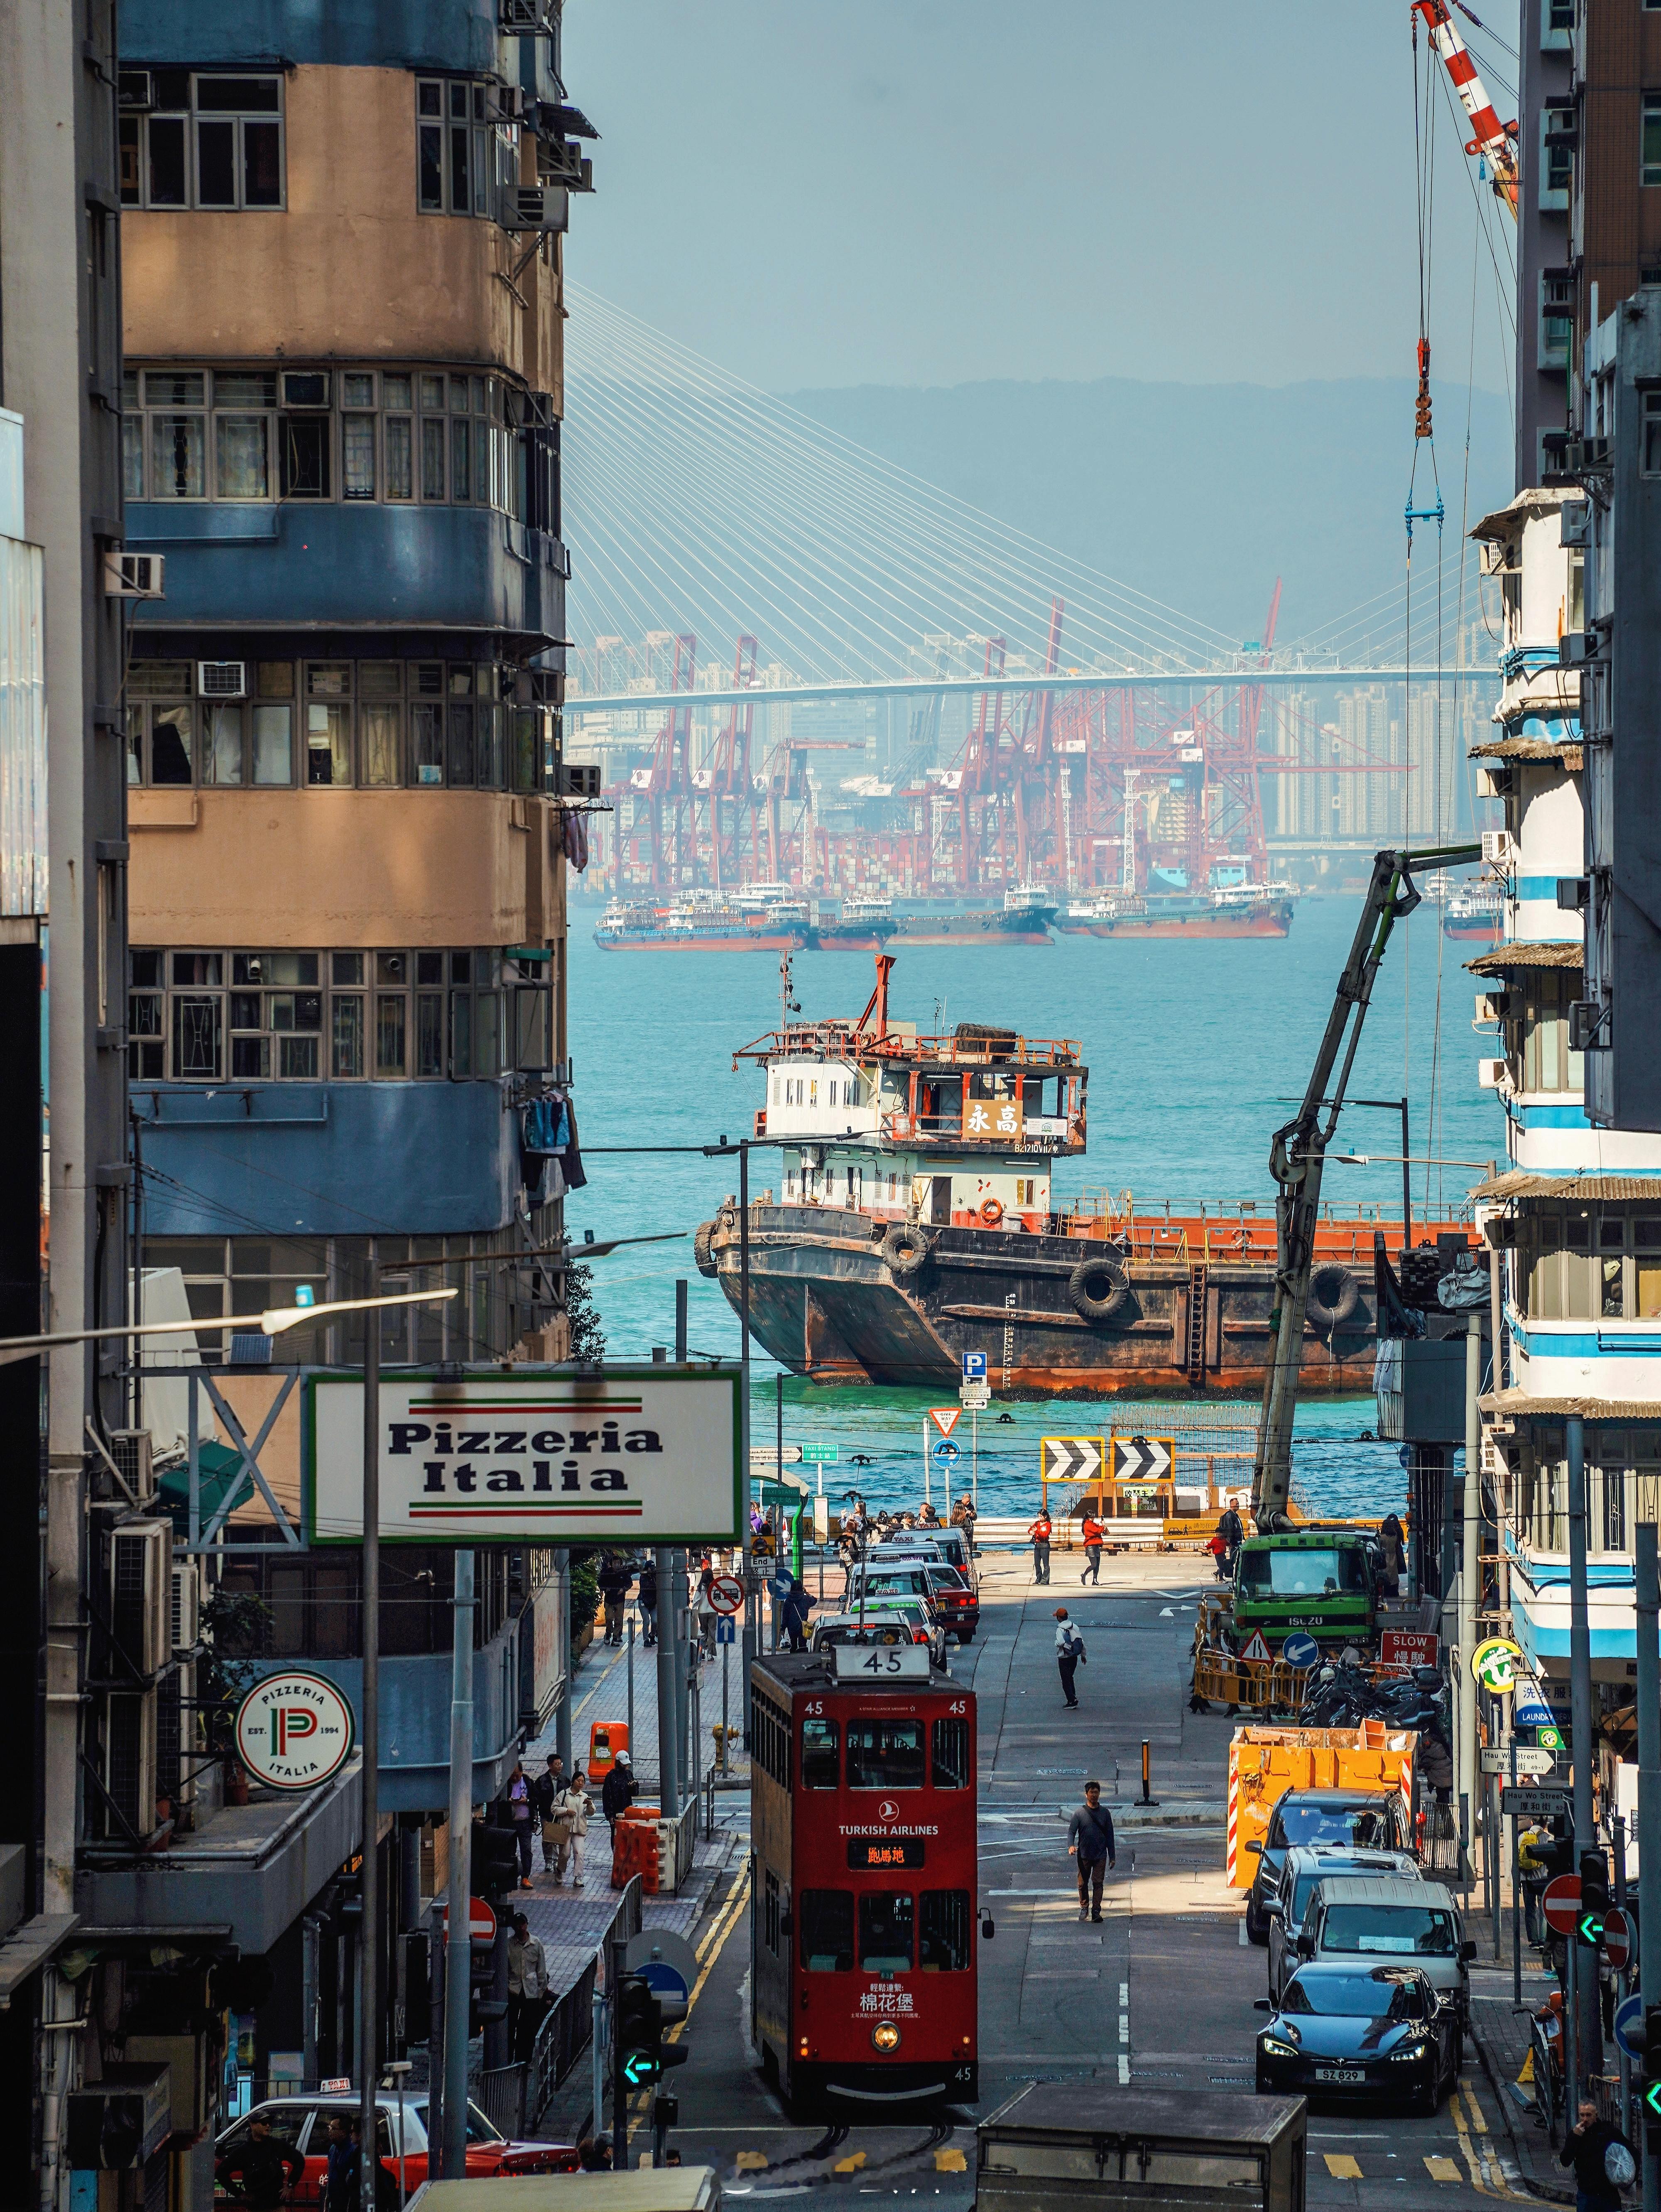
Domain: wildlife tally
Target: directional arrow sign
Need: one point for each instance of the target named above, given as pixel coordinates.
(1071, 1459)
(1497, 1758)
(1143, 1459)
(1629, 2025)
(945, 1417)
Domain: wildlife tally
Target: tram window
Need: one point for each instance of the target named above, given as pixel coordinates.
(943, 1932)
(952, 1754)
(885, 1921)
(884, 1754)
(770, 1913)
(826, 1937)
(820, 1767)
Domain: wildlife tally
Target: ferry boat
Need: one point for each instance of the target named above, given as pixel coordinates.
(704, 923)
(1473, 913)
(916, 1220)
(1237, 910)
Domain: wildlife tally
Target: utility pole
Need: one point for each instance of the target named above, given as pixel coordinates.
(1589, 2026)
(458, 1947)
(1471, 1573)
(668, 1628)
(1648, 1595)
(752, 1606)
(368, 1735)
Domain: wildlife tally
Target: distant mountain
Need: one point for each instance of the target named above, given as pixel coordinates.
(1201, 495)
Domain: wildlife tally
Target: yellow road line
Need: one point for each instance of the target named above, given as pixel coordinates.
(707, 1957)
(1341, 2166)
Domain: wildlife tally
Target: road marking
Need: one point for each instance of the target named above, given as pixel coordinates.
(1340, 2167)
(1443, 2169)
(1124, 1993)
(1245, 1938)
(1124, 2070)
(752, 2162)
(951, 2161)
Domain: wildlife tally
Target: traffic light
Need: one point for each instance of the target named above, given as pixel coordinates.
(1649, 2094)
(495, 1861)
(1594, 1898)
(639, 2053)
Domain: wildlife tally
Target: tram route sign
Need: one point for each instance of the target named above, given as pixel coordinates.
(550, 1456)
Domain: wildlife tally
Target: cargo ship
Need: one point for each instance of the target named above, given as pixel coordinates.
(916, 1220)
(1472, 914)
(1023, 917)
(703, 923)
(1239, 910)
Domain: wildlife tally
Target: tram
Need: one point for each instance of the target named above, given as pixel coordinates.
(864, 1935)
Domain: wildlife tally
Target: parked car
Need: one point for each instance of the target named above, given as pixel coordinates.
(1351, 2029)
(402, 2126)
(1301, 1877)
(1360, 1820)
(1368, 1920)
(943, 1588)
(948, 1544)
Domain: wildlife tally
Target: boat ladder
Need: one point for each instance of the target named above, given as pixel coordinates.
(1196, 1306)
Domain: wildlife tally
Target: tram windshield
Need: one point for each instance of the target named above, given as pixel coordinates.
(884, 1754)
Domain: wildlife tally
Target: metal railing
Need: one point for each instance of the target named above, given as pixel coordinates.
(502, 2093)
(568, 2025)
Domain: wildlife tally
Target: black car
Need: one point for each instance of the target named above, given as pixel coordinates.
(1354, 1819)
(1379, 2033)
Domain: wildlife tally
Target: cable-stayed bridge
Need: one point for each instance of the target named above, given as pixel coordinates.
(753, 589)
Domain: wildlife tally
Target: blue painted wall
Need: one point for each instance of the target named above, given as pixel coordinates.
(441, 567)
(443, 34)
(342, 1159)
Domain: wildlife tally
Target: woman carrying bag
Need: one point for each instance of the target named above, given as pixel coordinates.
(573, 1811)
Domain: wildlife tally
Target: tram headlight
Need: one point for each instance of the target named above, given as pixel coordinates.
(885, 2036)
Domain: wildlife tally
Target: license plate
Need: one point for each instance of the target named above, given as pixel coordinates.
(1341, 2074)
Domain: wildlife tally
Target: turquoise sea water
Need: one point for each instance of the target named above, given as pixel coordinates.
(1197, 1053)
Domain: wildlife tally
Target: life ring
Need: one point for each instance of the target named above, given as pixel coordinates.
(1334, 1295)
(991, 1213)
(906, 1246)
(702, 1258)
(1098, 1287)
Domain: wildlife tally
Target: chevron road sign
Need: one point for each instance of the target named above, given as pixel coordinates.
(1143, 1459)
(1071, 1459)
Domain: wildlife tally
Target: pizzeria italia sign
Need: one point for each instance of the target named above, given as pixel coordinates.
(634, 1456)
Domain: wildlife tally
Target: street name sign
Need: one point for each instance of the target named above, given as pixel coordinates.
(1497, 1759)
(632, 1456)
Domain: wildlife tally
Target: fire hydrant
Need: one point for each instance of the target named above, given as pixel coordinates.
(723, 1736)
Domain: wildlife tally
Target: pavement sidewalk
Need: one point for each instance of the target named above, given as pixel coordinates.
(1500, 2033)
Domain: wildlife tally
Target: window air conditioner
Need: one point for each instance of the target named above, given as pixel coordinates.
(134, 89)
(141, 1592)
(170, 1738)
(1490, 1007)
(1500, 851)
(526, 18)
(1574, 522)
(579, 779)
(1491, 1073)
(537, 207)
(221, 679)
(1494, 782)
(305, 387)
(129, 1767)
(133, 575)
(131, 1450)
(509, 103)
(186, 1621)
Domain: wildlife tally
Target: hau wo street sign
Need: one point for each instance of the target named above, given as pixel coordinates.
(630, 1456)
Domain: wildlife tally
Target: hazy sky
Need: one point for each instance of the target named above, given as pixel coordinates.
(912, 192)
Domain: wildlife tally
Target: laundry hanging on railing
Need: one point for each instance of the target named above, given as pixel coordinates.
(548, 1141)
(575, 838)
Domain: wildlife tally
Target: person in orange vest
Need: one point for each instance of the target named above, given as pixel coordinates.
(1038, 1536)
(1092, 1533)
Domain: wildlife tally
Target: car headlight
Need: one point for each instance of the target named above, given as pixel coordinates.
(1405, 2053)
(885, 2036)
(1271, 2046)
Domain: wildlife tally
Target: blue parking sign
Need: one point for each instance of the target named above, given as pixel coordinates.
(974, 1367)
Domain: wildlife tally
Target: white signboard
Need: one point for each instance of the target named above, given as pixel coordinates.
(881, 1662)
(294, 1730)
(631, 1456)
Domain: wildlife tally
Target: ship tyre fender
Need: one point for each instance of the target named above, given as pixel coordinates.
(1098, 1287)
(991, 1213)
(702, 1258)
(906, 1246)
(1334, 1295)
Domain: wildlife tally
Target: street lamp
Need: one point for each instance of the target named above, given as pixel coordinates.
(272, 1322)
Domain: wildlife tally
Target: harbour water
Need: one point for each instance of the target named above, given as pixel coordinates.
(1197, 1053)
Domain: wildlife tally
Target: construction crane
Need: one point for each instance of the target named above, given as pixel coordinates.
(1297, 1155)
(1489, 137)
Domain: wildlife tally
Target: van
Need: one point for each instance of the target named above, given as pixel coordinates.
(1383, 1920)
(1321, 1583)
(949, 1544)
(1301, 1878)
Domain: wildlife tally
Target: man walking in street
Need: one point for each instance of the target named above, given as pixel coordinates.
(618, 1792)
(647, 1596)
(1038, 1536)
(1090, 1841)
(528, 1988)
(546, 1792)
(1069, 1653)
(1093, 1532)
(1229, 1529)
(262, 2170)
(1603, 2161)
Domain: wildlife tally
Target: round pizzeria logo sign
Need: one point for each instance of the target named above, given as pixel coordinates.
(295, 1731)
(1493, 1664)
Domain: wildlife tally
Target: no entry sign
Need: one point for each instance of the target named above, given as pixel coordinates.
(481, 1920)
(1618, 1937)
(1561, 1903)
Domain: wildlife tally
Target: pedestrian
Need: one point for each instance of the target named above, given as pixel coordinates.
(594, 2153)
(559, 1828)
(927, 1518)
(262, 2169)
(1093, 1532)
(646, 1596)
(1090, 1841)
(1229, 1529)
(614, 1577)
(545, 1791)
(1391, 1536)
(520, 1805)
(1602, 2158)
(336, 2187)
(703, 1607)
(618, 1792)
(528, 1988)
(1532, 1847)
(385, 2181)
(1069, 1653)
(1038, 1536)
(793, 1612)
(1218, 1548)
(578, 1808)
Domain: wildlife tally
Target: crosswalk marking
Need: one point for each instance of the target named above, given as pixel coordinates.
(1341, 2166)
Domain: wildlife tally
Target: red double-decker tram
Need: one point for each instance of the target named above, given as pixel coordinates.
(864, 1937)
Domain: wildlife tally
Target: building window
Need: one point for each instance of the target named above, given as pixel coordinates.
(1556, 172)
(1548, 1063)
(1650, 155)
(1650, 462)
(202, 141)
(466, 155)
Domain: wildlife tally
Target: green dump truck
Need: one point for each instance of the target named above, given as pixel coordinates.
(1319, 1581)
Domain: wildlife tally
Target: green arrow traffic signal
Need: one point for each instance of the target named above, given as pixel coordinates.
(1590, 1928)
(1653, 2098)
(640, 2066)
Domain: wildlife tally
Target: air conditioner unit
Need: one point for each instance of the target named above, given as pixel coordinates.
(186, 1617)
(131, 1449)
(129, 1765)
(537, 207)
(141, 1592)
(170, 1736)
(1494, 557)
(134, 89)
(1491, 1074)
(133, 575)
(1493, 783)
(221, 679)
(526, 19)
(1500, 851)
(1574, 522)
(579, 779)
(508, 103)
(306, 387)
(1490, 1007)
